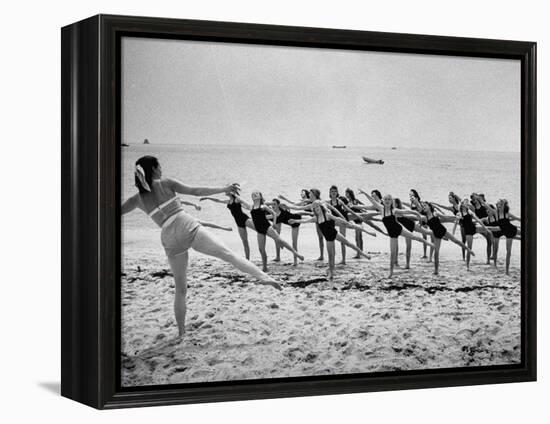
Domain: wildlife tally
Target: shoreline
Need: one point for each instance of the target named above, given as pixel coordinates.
(359, 322)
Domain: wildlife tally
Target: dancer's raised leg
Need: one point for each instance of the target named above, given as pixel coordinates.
(349, 244)
(208, 244)
(408, 234)
(456, 241)
(275, 236)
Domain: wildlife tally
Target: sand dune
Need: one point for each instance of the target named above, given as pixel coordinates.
(360, 322)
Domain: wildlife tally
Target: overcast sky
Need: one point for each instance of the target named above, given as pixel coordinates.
(193, 92)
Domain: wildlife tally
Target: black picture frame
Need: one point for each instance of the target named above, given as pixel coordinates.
(90, 175)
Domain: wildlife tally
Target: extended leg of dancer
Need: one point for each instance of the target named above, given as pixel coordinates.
(456, 241)
(273, 234)
(349, 244)
(208, 244)
(178, 265)
(406, 233)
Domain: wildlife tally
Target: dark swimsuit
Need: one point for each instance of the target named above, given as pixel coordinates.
(509, 229)
(468, 225)
(285, 215)
(238, 214)
(437, 227)
(354, 203)
(327, 228)
(391, 224)
(340, 208)
(481, 212)
(407, 223)
(494, 223)
(260, 220)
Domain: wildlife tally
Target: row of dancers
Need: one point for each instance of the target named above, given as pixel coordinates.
(415, 220)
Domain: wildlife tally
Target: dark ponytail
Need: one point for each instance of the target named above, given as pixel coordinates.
(147, 164)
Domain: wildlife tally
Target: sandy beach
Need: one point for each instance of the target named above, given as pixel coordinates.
(360, 322)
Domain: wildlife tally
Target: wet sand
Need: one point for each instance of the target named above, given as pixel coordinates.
(360, 322)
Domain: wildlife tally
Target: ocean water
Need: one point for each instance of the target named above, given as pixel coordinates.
(286, 170)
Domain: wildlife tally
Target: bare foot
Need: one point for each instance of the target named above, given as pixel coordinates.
(277, 260)
(320, 258)
(342, 263)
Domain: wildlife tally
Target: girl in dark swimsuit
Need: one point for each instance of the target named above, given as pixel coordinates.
(467, 221)
(509, 230)
(479, 206)
(394, 228)
(411, 223)
(339, 203)
(326, 222)
(454, 201)
(306, 199)
(241, 219)
(283, 215)
(259, 211)
(415, 206)
(439, 233)
(353, 201)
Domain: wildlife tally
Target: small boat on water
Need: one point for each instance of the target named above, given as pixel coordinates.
(370, 161)
(125, 145)
(394, 148)
(339, 147)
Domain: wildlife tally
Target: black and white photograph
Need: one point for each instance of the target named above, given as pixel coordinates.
(301, 212)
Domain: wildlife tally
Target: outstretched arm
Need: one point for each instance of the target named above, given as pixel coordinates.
(513, 217)
(375, 203)
(129, 205)
(300, 203)
(213, 199)
(333, 210)
(447, 208)
(197, 207)
(181, 188)
(409, 213)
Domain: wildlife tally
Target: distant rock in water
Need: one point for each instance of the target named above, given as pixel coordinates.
(146, 141)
